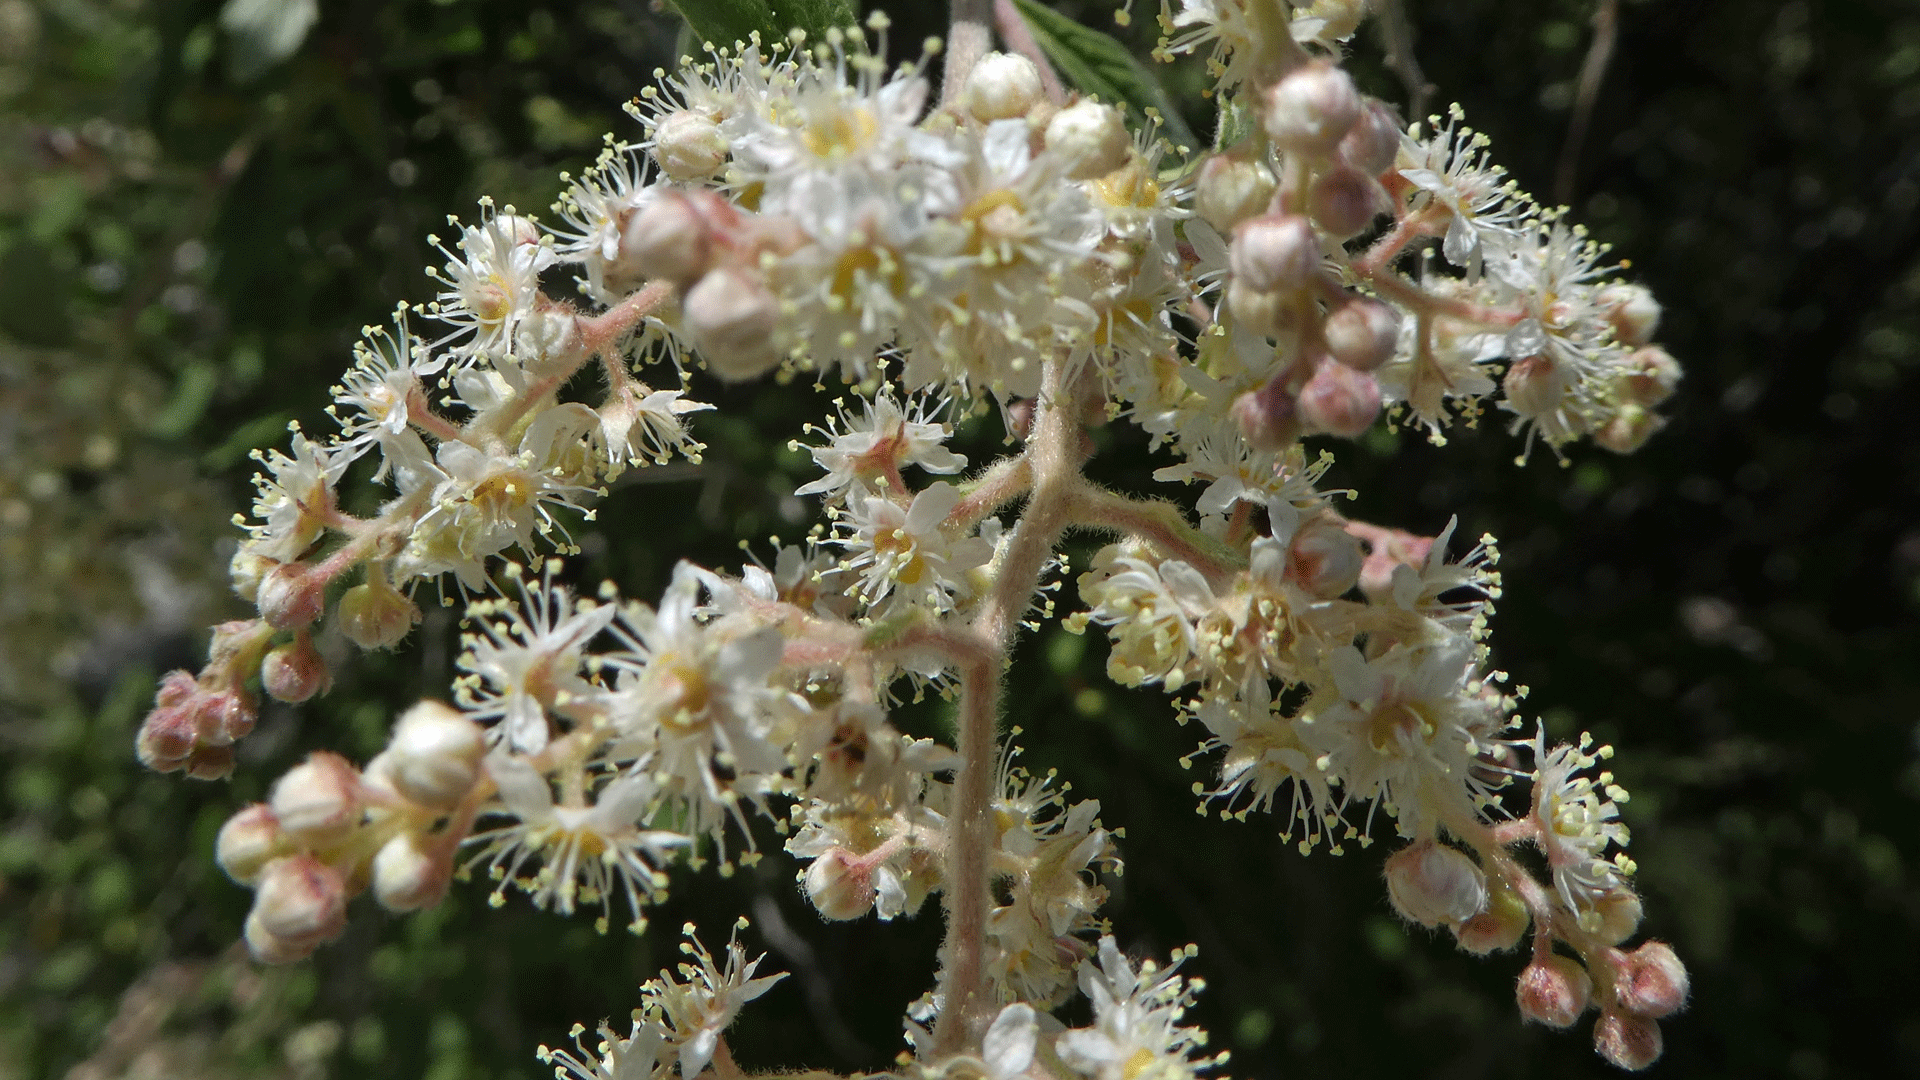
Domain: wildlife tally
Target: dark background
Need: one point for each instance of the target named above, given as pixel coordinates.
(186, 257)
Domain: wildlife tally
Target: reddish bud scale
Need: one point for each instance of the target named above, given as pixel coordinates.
(1652, 981)
(291, 596)
(1553, 990)
(1626, 1041)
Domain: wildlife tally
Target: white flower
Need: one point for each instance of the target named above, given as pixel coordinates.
(905, 553)
(1577, 825)
(1487, 213)
(876, 447)
(1265, 752)
(486, 503)
(386, 373)
(1151, 610)
(527, 659)
(1047, 853)
(699, 1005)
(596, 209)
(493, 284)
(294, 503)
(639, 1056)
(1136, 1032)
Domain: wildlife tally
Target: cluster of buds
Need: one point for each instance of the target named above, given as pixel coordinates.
(195, 721)
(329, 831)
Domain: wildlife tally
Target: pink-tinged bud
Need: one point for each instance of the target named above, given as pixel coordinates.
(1340, 401)
(169, 732)
(295, 671)
(669, 239)
(245, 570)
(839, 886)
(299, 903)
(1554, 991)
(1091, 136)
(1617, 917)
(1373, 142)
(1268, 418)
(1230, 190)
(1002, 86)
(248, 842)
(1628, 429)
(409, 874)
(1653, 981)
(1652, 375)
(731, 315)
(1312, 109)
(1632, 310)
(1363, 333)
(434, 755)
(1264, 314)
(291, 597)
(210, 763)
(1535, 386)
(1626, 1041)
(1345, 201)
(1275, 252)
(688, 145)
(318, 801)
(1431, 884)
(375, 615)
(1498, 928)
(226, 716)
(1324, 559)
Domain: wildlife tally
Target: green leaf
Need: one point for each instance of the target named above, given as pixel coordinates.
(723, 22)
(1100, 65)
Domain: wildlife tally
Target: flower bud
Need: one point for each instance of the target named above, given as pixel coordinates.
(1311, 109)
(668, 239)
(1340, 401)
(169, 732)
(1344, 202)
(1002, 86)
(839, 886)
(1274, 252)
(1373, 142)
(1324, 559)
(1626, 1041)
(408, 874)
(1430, 883)
(375, 615)
(1615, 917)
(245, 570)
(299, 903)
(434, 755)
(1230, 190)
(268, 949)
(1652, 375)
(1363, 333)
(731, 314)
(1535, 386)
(291, 597)
(1553, 991)
(295, 671)
(248, 842)
(1498, 928)
(1632, 310)
(688, 145)
(1268, 418)
(317, 801)
(209, 762)
(1091, 136)
(224, 716)
(1629, 429)
(1264, 314)
(1653, 981)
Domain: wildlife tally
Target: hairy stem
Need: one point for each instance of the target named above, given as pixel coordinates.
(969, 36)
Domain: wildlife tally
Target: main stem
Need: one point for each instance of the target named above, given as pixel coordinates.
(1055, 464)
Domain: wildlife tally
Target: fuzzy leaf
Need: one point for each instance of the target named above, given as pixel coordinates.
(1098, 64)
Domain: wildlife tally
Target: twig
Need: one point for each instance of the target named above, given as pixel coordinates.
(1013, 30)
(1606, 31)
(1396, 34)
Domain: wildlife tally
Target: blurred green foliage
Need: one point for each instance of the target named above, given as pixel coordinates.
(190, 238)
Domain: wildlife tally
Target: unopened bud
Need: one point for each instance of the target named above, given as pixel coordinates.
(1616, 917)
(1363, 333)
(1652, 375)
(434, 755)
(1340, 401)
(1628, 429)
(248, 842)
(299, 903)
(1431, 884)
(1002, 86)
(209, 762)
(318, 801)
(1345, 201)
(169, 732)
(1268, 418)
(1535, 386)
(375, 615)
(1498, 928)
(408, 874)
(731, 315)
(839, 886)
(1230, 190)
(1553, 991)
(1091, 136)
(688, 145)
(1627, 1042)
(1632, 310)
(1373, 142)
(668, 239)
(1275, 252)
(1263, 314)
(224, 716)
(1311, 109)
(1324, 559)
(245, 570)
(1653, 981)
(290, 596)
(295, 671)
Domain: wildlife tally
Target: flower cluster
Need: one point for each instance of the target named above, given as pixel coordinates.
(799, 206)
